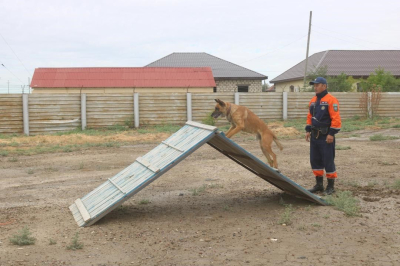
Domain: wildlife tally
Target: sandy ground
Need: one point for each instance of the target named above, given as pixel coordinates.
(234, 221)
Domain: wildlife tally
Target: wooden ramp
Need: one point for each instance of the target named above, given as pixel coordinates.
(116, 190)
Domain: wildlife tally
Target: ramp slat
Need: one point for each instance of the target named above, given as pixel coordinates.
(142, 172)
(81, 208)
(166, 155)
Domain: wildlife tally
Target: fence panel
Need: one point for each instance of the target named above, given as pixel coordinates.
(49, 113)
(349, 104)
(159, 109)
(11, 113)
(264, 105)
(389, 105)
(104, 110)
(204, 104)
(298, 104)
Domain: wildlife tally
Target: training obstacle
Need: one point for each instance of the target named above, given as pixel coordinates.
(116, 190)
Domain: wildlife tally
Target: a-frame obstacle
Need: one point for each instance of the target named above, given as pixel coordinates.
(111, 194)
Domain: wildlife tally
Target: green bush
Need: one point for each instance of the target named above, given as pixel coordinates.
(344, 201)
(75, 244)
(23, 238)
(208, 120)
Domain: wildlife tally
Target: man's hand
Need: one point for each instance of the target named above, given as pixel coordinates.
(308, 134)
(329, 139)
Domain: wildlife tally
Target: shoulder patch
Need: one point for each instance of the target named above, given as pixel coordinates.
(335, 107)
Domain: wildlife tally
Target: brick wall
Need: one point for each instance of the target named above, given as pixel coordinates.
(231, 85)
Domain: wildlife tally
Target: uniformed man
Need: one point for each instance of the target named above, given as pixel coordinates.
(323, 122)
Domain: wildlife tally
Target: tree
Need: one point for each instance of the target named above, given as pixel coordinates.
(385, 81)
(335, 83)
(340, 83)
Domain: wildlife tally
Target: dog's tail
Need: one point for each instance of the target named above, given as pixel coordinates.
(278, 143)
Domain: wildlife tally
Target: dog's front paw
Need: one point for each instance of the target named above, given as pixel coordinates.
(276, 169)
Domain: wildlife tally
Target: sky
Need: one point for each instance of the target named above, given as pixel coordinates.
(268, 37)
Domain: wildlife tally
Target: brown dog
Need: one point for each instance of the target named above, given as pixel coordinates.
(242, 119)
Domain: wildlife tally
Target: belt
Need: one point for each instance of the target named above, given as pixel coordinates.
(317, 131)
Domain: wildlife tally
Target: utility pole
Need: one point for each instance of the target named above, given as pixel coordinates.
(308, 46)
(29, 84)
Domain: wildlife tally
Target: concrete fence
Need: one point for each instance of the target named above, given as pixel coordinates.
(48, 113)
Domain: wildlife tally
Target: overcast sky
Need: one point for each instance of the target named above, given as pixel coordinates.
(265, 36)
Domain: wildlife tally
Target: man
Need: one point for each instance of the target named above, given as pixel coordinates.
(323, 122)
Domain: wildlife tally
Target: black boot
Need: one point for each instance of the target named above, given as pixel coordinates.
(330, 187)
(319, 186)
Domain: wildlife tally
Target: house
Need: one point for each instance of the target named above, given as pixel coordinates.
(123, 80)
(356, 63)
(228, 76)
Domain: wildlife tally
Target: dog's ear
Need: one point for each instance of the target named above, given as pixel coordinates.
(220, 102)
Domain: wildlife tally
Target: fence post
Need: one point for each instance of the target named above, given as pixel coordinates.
(83, 111)
(369, 98)
(237, 98)
(136, 108)
(25, 113)
(284, 105)
(189, 106)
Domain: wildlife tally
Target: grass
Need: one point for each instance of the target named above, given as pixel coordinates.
(352, 184)
(344, 201)
(197, 191)
(396, 184)
(372, 183)
(52, 242)
(298, 124)
(286, 217)
(144, 201)
(396, 126)
(167, 128)
(4, 153)
(380, 137)
(316, 225)
(30, 172)
(13, 159)
(338, 147)
(23, 238)
(75, 244)
(208, 120)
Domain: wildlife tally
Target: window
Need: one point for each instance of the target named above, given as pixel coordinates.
(291, 88)
(215, 89)
(243, 88)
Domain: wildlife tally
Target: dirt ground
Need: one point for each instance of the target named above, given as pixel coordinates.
(232, 220)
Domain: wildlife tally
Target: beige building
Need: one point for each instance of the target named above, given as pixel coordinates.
(123, 80)
(358, 64)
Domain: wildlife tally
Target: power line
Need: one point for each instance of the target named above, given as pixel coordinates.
(341, 39)
(353, 37)
(12, 73)
(14, 53)
(274, 50)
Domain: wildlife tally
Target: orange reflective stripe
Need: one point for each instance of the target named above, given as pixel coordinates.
(318, 172)
(331, 175)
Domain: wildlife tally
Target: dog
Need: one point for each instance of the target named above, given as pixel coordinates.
(243, 119)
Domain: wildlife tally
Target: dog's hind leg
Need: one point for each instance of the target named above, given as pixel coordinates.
(265, 145)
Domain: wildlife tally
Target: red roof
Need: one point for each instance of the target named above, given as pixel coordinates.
(123, 77)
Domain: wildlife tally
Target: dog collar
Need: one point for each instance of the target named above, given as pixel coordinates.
(228, 113)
